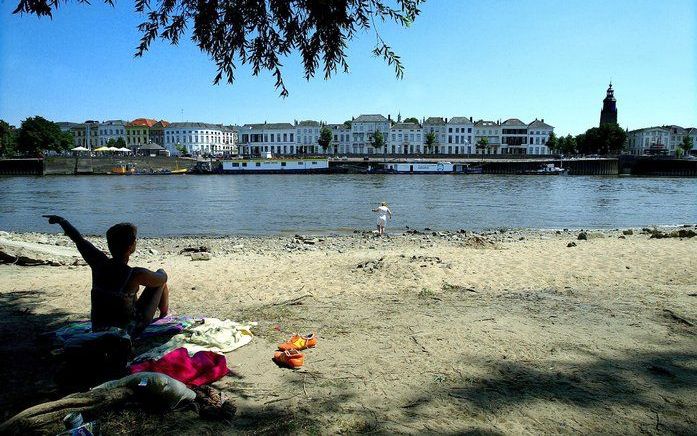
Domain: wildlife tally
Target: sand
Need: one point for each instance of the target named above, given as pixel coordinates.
(508, 332)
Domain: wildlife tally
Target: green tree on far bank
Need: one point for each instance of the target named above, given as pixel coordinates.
(8, 139)
(120, 143)
(411, 120)
(553, 143)
(679, 152)
(604, 140)
(325, 138)
(37, 135)
(687, 144)
(378, 142)
(430, 141)
(483, 143)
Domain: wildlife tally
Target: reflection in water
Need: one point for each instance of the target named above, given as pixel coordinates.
(171, 205)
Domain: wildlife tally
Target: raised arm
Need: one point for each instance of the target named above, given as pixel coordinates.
(89, 252)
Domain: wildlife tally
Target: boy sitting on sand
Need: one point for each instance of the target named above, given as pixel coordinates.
(115, 285)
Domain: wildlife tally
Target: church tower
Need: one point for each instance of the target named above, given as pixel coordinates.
(609, 113)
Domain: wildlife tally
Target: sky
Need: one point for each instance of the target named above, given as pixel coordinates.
(493, 60)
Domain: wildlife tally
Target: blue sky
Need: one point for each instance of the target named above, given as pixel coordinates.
(485, 59)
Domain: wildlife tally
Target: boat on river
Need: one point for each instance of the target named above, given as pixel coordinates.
(275, 166)
(423, 168)
(547, 170)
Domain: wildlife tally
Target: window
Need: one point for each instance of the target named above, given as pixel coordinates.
(235, 164)
(244, 164)
(300, 163)
(258, 164)
(314, 163)
(450, 130)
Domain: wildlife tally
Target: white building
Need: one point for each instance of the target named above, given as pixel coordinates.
(405, 138)
(276, 138)
(307, 136)
(514, 137)
(460, 136)
(112, 129)
(437, 126)
(199, 138)
(362, 130)
(659, 140)
(538, 135)
(341, 138)
(491, 130)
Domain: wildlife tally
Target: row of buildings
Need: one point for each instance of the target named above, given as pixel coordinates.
(659, 140)
(450, 136)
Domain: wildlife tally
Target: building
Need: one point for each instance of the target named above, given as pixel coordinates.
(276, 138)
(307, 136)
(341, 138)
(608, 115)
(138, 132)
(658, 140)
(405, 138)
(491, 130)
(199, 139)
(460, 136)
(111, 131)
(362, 130)
(86, 134)
(67, 126)
(514, 137)
(437, 126)
(538, 135)
(156, 133)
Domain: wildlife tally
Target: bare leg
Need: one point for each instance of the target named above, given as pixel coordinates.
(149, 301)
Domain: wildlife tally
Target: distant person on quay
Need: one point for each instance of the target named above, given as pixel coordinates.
(383, 213)
(115, 284)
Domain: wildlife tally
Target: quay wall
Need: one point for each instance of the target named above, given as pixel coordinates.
(658, 166)
(21, 167)
(103, 165)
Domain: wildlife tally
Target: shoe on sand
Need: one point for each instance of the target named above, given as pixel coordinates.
(299, 342)
(289, 358)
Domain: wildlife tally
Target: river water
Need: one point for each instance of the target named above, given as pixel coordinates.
(263, 204)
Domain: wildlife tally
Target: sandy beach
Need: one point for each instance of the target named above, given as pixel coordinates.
(507, 332)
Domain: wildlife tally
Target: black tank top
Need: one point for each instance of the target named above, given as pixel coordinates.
(113, 307)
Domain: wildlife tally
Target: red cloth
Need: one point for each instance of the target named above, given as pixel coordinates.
(202, 368)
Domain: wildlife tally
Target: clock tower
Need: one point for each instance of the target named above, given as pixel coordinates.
(609, 113)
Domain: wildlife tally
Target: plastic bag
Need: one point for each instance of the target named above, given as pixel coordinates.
(154, 388)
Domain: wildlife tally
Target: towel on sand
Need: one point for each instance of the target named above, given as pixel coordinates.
(202, 368)
(212, 335)
(169, 325)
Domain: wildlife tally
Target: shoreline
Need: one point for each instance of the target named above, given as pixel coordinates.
(391, 232)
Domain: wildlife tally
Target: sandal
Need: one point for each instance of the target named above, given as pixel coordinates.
(298, 342)
(289, 358)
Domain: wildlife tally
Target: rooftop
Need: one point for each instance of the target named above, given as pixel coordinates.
(194, 125)
(269, 126)
(309, 123)
(459, 120)
(370, 118)
(435, 121)
(142, 122)
(540, 124)
(513, 122)
(484, 123)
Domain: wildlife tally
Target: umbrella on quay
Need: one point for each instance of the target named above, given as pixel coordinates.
(80, 149)
(102, 149)
(124, 149)
(113, 149)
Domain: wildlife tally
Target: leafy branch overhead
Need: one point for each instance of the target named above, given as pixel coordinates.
(260, 32)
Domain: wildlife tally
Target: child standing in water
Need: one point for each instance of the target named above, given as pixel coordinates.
(383, 212)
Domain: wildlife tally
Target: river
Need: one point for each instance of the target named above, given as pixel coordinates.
(276, 204)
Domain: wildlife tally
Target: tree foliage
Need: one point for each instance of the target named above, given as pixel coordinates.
(325, 138)
(8, 139)
(378, 140)
(120, 143)
(411, 120)
(483, 142)
(38, 134)
(430, 140)
(262, 33)
(606, 139)
(687, 144)
(553, 143)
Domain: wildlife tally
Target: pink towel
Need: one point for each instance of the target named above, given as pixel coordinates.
(203, 368)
